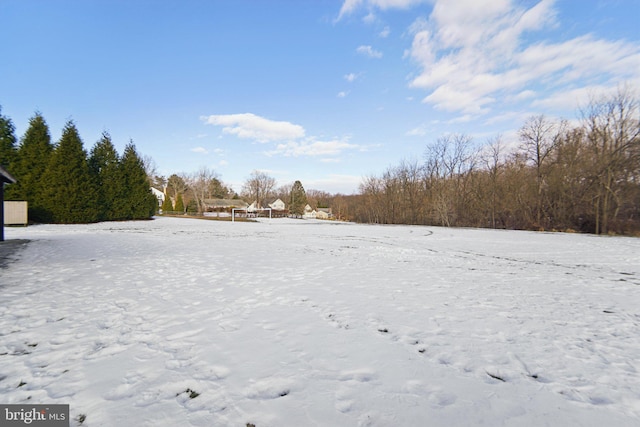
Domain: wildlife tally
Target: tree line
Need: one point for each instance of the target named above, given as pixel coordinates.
(556, 176)
(62, 183)
(187, 193)
(584, 177)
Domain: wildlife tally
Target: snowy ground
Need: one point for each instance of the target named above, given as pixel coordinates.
(178, 322)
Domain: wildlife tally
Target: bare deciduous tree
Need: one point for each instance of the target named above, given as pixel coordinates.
(539, 137)
(612, 124)
(492, 158)
(259, 187)
(449, 161)
(200, 184)
(176, 184)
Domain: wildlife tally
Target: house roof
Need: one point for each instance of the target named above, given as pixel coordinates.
(6, 176)
(278, 205)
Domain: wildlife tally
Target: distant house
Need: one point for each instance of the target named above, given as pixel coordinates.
(253, 207)
(309, 212)
(324, 213)
(159, 195)
(278, 205)
(320, 213)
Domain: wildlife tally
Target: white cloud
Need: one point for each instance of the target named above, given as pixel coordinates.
(419, 131)
(385, 32)
(509, 117)
(370, 18)
(472, 52)
(571, 98)
(351, 77)
(369, 51)
(313, 147)
(581, 57)
(289, 139)
(200, 150)
(350, 6)
(461, 119)
(395, 4)
(449, 98)
(251, 126)
(525, 94)
(342, 94)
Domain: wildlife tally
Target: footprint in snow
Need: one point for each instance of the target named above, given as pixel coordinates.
(273, 388)
(360, 375)
(442, 398)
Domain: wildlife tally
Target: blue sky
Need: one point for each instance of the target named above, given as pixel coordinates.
(321, 91)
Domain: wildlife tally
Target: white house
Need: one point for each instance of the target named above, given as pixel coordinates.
(320, 214)
(309, 213)
(324, 213)
(278, 205)
(159, 195)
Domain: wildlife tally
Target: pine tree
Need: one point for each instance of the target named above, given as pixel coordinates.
(7, 141)
(192, 207)
(103, 165)
(136, 200)
(167, 206)
(70, 194)
(29, 166)
(298, 199)
(179, 204)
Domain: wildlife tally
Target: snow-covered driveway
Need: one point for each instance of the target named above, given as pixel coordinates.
(301, 323)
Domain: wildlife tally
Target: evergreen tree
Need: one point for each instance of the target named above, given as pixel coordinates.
(176, 185)
(69, 194)
(7, 141)
(179, 204)
(192, 207)
(167, 206)
(136, 201)
(29, 166)
(103, 165)
(298, 199)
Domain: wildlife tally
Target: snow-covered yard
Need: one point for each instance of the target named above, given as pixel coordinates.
(178, 322)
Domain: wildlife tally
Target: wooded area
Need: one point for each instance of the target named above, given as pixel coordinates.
(584, 177)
